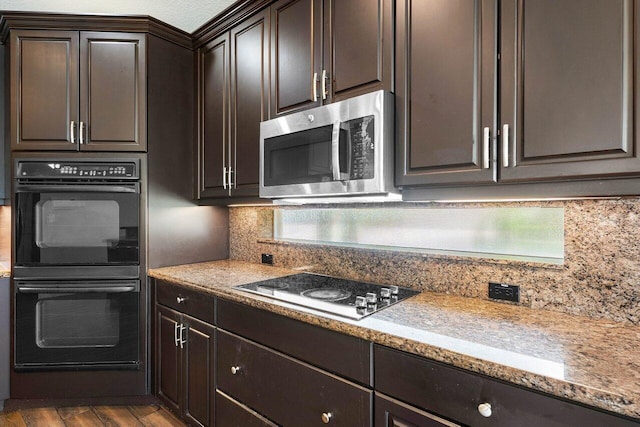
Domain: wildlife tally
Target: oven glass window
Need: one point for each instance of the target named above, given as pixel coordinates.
(86, 223)
(76, 320)
(77, 228)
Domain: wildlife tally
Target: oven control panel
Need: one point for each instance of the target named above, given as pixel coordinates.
(43, 169)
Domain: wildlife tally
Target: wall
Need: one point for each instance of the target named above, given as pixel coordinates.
(600, 276)
(5, 235)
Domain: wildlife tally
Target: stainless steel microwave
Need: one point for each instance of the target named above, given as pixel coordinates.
(340, 149)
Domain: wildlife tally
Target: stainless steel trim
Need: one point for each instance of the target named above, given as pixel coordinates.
(324, 84)
(485, 147)
(315, 87)
(505, 146)
(80, 133)
(72, 131)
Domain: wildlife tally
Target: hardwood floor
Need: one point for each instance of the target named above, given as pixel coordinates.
(90, 416)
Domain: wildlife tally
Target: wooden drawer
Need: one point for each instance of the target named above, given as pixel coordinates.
(196, 304)
(286, 391)
(455, 394)
(347, 356)
(230, 413)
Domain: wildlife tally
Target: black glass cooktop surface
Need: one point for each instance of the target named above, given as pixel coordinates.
(348, 298)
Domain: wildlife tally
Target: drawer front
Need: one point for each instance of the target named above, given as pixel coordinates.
(347, 356)
(196, 304)
(230, 413)
(456, 394)
(285, 390)
(392, 413)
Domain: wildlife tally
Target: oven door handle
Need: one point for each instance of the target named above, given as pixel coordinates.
(78, 188)
(27, 289)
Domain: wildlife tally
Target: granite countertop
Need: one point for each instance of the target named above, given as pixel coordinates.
(596, 362)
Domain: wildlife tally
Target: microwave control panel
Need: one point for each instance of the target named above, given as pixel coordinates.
(361, 137)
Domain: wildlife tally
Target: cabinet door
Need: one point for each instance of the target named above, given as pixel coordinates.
(358, 53)
(392, 413)
(249, 100)
(445, 91)
(569, 80)
(213, 138)
(296, 55)
(168, 359)
(44, 90)
(199, 367)
(113, 91)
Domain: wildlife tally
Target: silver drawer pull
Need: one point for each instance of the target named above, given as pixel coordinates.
(485, 409)
(326, 417)
(235, 370)
(180, 300)
(505, 146)
(72, 129)
(485, 147)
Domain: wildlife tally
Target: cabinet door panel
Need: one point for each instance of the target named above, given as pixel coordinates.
(296, 54)
(287, 391)
(445, 91)
(168, 363)
(249, 99)
(113, 88)
(44, 89)
(199, 368)
(213, 154)
(392, 413)
(359, 46)
(572, 86)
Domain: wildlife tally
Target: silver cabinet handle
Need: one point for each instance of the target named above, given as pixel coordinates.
(324, 84)
(486, 134)
(183, 339)
(180, 300)
(224, 178)
(80, 133)
(235, 370)
(485, 409)
(176, 338)
(72, 131)
(505, 146)
(230, 175)
(315, 87)
(326, 417)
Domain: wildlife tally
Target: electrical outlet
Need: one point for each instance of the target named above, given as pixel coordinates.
(267, 259)
(501, 291)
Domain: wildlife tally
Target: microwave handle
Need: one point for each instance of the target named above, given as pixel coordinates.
(339, 175)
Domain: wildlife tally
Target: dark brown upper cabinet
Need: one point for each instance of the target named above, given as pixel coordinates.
(75, 90)
(445, 93)
(233, 76)
(327, 50)
(566, 93)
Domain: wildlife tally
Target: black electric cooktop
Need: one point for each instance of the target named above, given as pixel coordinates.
(343, 297)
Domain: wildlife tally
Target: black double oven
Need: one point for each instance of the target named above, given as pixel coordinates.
(78, 239)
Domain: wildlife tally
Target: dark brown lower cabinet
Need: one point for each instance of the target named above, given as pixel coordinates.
(392, 413)
(231, 413)
(472, 399)
(185, 365)
(286, 390)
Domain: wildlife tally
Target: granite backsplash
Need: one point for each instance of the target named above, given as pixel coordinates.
(600, 276)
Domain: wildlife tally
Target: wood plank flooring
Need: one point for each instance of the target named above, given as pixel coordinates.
(91, 416)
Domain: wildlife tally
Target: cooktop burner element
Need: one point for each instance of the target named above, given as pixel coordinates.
(343, 297)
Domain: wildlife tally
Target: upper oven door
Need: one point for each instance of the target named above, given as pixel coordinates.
(76, 225)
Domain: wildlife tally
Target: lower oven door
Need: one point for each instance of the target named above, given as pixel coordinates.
(77, 325)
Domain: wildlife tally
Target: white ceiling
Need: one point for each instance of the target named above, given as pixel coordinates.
(187, 15)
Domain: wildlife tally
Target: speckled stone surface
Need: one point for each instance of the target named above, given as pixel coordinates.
(600, 276)
(5, 271)
(593, 361)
